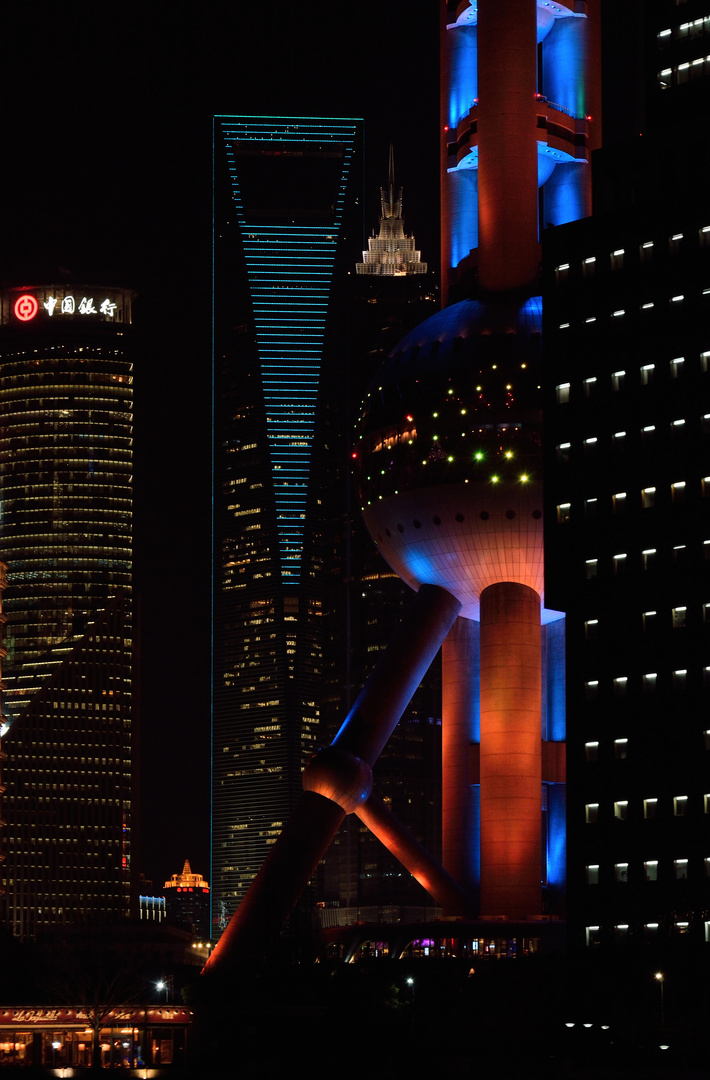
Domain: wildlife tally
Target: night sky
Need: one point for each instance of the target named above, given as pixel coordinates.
(106, 173)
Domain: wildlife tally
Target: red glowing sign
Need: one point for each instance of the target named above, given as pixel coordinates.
(26, 307)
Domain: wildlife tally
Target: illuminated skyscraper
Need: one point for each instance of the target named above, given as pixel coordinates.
(66, 393)
(285, 199)
(628, 528)
(450, 474)
(391, 253)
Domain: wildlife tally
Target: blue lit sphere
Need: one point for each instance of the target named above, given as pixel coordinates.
(449, 451)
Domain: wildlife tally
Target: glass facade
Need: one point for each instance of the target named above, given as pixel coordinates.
(66, 449)
(285, 209)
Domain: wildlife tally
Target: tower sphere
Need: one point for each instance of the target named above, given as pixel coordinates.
(449, 451)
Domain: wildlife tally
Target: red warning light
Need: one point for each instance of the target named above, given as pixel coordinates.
(26, 307)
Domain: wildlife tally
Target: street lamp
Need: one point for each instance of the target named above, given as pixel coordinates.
(162, 985)
(660, 979)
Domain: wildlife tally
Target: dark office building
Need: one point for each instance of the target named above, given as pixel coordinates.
(287, 228)
(627, 354)
(66, 375)
(391, 291)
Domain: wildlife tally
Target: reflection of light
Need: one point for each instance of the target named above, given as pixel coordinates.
(494, 479)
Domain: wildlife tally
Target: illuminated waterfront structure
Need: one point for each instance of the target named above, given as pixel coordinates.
(450, 471)
(285, 211)
(66, 375)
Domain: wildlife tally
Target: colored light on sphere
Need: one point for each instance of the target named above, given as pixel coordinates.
(451, 501)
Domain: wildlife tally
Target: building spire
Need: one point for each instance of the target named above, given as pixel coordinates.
(391, 253)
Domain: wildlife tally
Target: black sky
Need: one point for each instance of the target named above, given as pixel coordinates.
(106, 172)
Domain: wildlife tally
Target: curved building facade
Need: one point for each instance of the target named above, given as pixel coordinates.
(66, 479)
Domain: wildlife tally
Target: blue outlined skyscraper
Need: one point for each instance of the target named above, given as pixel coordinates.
(285, 201)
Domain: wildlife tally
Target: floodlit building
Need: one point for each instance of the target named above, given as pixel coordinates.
(66, 475)
(391, 253)
(187, 902)
(449, 465)
(286, 191)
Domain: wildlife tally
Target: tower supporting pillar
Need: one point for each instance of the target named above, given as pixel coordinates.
(511, 765)
(460, 813)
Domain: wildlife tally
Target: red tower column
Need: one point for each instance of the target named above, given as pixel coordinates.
(511, 701)
(508, 250)
(460, 823)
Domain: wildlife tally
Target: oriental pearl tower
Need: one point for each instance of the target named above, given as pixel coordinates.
(449, 469)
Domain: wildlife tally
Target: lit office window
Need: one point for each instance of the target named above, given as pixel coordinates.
(650, 870)
(679, 617)
(677, 366)
(648, 619)
(705, 486)
(591, 628)
(563, 451)
(618, 501)
(621, 871)
(562, 392)
(589, 385)
(591, 751)
(591, 566)
(647, 371)
(705, 358)
(619, 562)
(646, 251)
(590, 507)
(621, 749)
(680, 677)
(563, 513)
(680, 805)
(678, 491)
(648, 496)
(593, 875)
(706, 804)
(621, 932)
(621, 810)
(648, 557)
(591, 689)
(650, 808)
(706, 864)
(592, 934)
(591, 813)
(620, 685)
(617, 379)
(706, 739)
(706, 612)
(681, 868)
(648, 682)
(617, 259)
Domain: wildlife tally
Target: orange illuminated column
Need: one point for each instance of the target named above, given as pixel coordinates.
(510, 751)
(508, 251)
(460, 824)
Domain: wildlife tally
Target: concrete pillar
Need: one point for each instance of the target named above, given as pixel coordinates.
(508, 251)
(511, 750)
(460, 825)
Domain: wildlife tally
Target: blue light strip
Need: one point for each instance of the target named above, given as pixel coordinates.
(282, 261)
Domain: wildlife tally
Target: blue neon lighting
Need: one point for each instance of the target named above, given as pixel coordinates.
(283, 260)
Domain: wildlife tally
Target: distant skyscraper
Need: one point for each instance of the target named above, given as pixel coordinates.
(391, 253)
(187, 901)
(360, 880)
(66, 464)
(285, 209)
